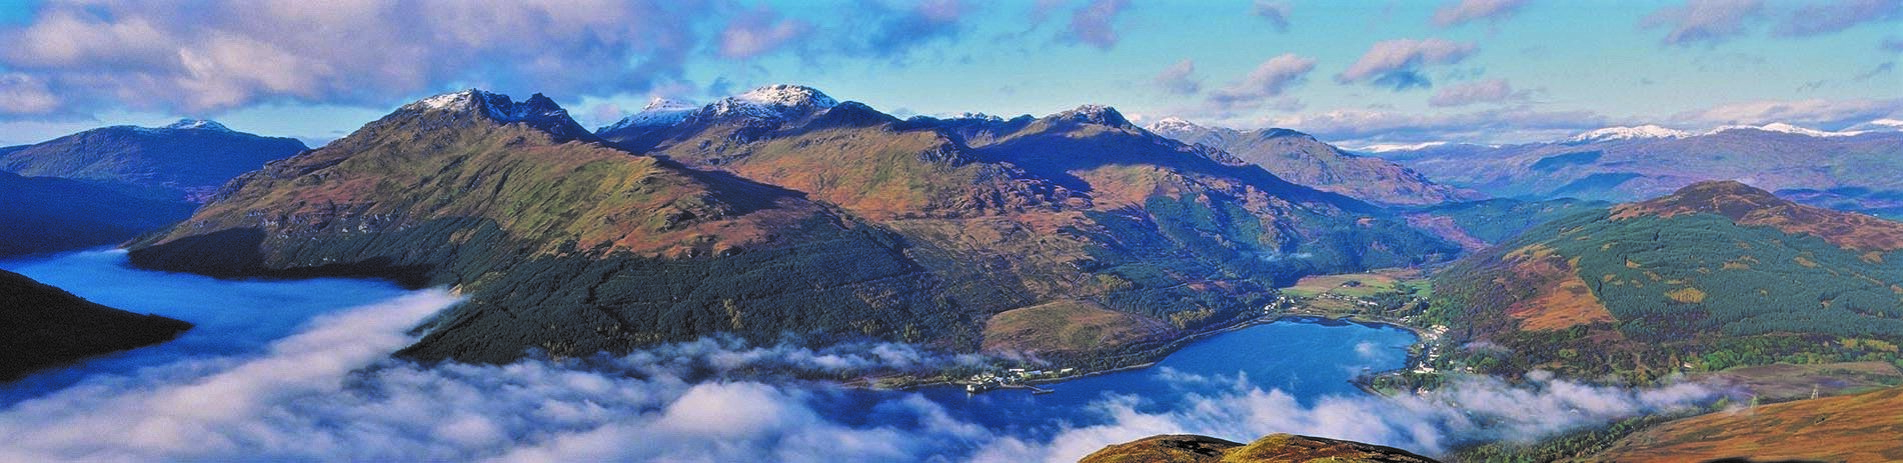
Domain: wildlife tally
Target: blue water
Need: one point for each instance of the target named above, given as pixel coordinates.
(1306, 359)
(230, 316)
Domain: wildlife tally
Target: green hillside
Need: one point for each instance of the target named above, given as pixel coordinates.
(1716, 275)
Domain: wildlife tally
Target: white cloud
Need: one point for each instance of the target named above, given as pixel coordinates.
(1709, 21)
(1275, 12)
(1094, 23)
(1367, 126)
(230, 53)
(1462, 11)
(1396, 63)
(1269, 79)
(1179, 78)
(759, 32)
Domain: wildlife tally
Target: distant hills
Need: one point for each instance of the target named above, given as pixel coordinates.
(42, 326)
(779, 211)
(1270, 448)
(1715, 275)
(183, 161)
(1302, 159)
(106, 185)
(1840, 170)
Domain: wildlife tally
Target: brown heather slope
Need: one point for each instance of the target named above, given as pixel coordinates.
(1274, 448)
(1857, 428)
(1749, 206)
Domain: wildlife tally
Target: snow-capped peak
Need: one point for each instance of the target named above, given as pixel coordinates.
(658, 112)
(1173, 126)
(1386, 147)
(1887, 122)
(498, 106)
(198, 124)
(1095, 114)
(773, 102)
(1784, 128)
(1628, 133)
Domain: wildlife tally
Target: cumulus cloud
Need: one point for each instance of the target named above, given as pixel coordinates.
(1821, 113)
(22, 94)
(1462, 11)
(1828, 17)
(1709, 21)
(229, 53)
(1482, 91)
(1094, 23)
(1179, 78)
(758, 32)
(1268, 80)
(1275, 12)
(1397, 63)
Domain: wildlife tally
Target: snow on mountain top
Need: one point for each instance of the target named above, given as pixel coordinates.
(1783, 128)
(1627, 133)
(783, 95)
(658, 112)
(1386, 147)
(198, 124)
(1174, 126)
(498, 106)
(1887, 122)
(1095, 114)
(772, 102)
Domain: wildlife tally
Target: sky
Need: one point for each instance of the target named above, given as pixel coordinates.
(1352, 72)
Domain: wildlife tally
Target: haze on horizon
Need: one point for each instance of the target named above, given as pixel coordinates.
(1357, 73)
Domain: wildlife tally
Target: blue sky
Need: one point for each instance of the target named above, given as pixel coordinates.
(1356, 72)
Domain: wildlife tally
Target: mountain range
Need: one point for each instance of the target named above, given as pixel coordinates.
(104, 186)
(1302, 159)
(779, 211)
(1841, 170)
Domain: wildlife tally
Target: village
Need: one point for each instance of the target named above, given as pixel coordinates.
(1014, 378)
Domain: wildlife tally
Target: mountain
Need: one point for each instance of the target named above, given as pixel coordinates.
(1842, 170)
(42, 326)
(54, 214)
(779, 211)
(1715, 275)
(107, 185)
(1271, 448)
(1300, 158)
(183, 161)
(1854, 428)
(1076, 206)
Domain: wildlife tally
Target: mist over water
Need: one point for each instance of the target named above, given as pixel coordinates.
(301, 370)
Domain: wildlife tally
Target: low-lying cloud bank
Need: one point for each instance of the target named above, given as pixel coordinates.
(331, 392)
